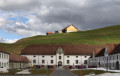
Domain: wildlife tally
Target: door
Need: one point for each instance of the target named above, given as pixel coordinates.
(117, 65)
(59, 63)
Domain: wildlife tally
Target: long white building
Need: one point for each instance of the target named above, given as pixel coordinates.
(57, 54)
(108, 57)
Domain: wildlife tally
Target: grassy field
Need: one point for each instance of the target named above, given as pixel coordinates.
(40, 72)
(87, 72)
(11, 72)
(33, 72)
(93, 37)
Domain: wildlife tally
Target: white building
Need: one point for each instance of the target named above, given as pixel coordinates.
(60, 55)
(12, 61)
(4, 59)
(108, 57)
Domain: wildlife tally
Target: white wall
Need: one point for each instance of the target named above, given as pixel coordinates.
(4, 60)
(62, 58)
(73, 58)
(39, 59)
(55, 58)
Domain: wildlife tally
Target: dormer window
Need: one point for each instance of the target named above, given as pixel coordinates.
(60, 51)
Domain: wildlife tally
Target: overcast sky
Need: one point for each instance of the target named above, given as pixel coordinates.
(25, 18)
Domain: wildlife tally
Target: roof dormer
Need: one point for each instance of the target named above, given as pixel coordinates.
(59, 50)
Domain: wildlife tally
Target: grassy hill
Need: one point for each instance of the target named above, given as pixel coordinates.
(100, 36)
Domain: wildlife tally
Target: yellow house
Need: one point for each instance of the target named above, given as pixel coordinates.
(70, 28)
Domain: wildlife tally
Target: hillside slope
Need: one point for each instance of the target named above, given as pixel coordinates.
(100, 36)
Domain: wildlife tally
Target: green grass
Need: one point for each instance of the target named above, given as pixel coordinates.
(93, 37)
(11, 72)
(33, 72)
(40, 72)
(87, 72)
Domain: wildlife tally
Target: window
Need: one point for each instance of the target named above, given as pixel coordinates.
(85, 56)
(4, 56)
(34, 56)
(34, 61)
(7, 56)
(85, 61)
(60, 57)
(68, 61)
(4, 64)
(76, 61)
(117, 56)
(43, 56)
(51, 61)
(67, 56)
(51, 56)
(43, 61)
(0, 55)
(7, 63)
(76, 56)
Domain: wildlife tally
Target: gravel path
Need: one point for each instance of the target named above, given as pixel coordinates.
(62, 72)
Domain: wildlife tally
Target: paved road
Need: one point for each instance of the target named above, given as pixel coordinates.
(62, 72)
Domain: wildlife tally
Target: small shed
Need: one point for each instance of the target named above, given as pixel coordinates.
(49, 33)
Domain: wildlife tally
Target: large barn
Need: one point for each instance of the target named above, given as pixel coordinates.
(59, 55)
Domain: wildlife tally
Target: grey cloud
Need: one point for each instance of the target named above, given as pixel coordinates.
(57, 14)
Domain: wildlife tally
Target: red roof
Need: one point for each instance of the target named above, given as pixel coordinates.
(18, 58)
(110, 48)
(49, 32)
(96, 51)
(51, 49)
(116, 50)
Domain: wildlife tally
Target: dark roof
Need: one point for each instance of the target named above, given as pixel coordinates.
(18, 58)
(96, 51)
(3, 51)
(68, 26)
(110, 47)
(101, 53)
(51, 49)
(116, 50)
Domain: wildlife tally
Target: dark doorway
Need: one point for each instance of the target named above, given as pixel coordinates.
(117, 65)
(59, 63)
(99, 64)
